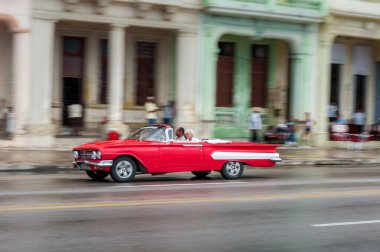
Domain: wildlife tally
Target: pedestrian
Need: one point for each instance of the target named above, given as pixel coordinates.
(332, 112)
(308, 124)
(291, 134)
(75, 117)
(255, 123)
(359, 121)
(151, 110)
(168, 113)
(10, 122)
(113, 134)
(103, 127)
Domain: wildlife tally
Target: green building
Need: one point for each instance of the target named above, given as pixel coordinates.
(258, 53)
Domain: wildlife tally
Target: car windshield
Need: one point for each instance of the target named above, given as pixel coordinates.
(149, 133)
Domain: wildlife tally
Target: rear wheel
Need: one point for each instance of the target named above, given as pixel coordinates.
(232, 170)
(201, 174)
(97, 175)
(123, 170)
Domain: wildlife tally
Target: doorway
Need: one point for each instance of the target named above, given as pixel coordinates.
(259, 75)
(360, 90)
(72, 79)
(145, 63)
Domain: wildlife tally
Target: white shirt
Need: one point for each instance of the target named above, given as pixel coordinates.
(255, 122)
(332, 110)
(75, 110)
(151, 112)
(359, 118)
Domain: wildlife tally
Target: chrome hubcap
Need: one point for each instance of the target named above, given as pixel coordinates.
(124, 169)
(233, 168)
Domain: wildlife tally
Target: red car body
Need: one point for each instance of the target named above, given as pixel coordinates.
(163, 155)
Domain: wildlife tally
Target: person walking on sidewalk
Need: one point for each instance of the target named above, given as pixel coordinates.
(255, 124)
(308, 124)
(151, 110)
(359, 121)
(75, 117)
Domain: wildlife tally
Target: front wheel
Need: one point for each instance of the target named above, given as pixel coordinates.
(232, 170)
(97, 175)
(123, 170)
(201, 174)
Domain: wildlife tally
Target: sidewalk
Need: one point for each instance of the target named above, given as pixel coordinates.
(48, 160)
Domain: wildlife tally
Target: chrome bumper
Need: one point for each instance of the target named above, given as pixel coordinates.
(85, 165)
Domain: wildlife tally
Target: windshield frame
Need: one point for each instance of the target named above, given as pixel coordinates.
(153, 133)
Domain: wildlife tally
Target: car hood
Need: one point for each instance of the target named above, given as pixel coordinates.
(107, 144)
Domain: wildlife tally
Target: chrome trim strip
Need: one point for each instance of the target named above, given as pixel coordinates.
(219, 155)
(276, 159)
(103, 163)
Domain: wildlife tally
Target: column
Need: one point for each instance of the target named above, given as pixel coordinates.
(130, 74)
(21, 77)
(116, 75)
(57, 82)
(186, 78)
(297, 108)
(92, 69)
(323, 93)
(208, 73)
(41, 128)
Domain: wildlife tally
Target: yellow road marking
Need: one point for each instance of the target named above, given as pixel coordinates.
(167, 201)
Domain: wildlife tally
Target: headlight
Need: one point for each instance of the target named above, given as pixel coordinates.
(75, 154)
(96, 155)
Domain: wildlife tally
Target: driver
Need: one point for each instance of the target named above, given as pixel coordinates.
(180, 134)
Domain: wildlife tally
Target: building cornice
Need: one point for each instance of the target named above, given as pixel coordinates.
(104, 19)
(355, 8)
(355, 14)
(264, 15)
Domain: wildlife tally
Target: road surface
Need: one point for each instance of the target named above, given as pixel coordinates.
(279, 209)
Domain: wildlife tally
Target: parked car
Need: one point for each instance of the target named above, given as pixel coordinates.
(152, 150)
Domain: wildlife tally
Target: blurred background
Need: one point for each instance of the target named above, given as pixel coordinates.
(215, 59)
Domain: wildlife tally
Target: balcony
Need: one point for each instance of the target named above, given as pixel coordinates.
(291, 10)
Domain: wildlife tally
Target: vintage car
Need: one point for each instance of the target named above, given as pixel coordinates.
(152, 149)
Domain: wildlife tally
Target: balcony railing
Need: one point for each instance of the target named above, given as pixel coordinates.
(314, 7)
(306, 4)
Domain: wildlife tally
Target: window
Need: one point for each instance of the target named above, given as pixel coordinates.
(145, 62)
(225, 75)
(360, 81)
(259, 75)
(103, 92)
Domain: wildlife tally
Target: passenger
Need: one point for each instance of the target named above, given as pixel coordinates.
(189, 133)
(180, 134)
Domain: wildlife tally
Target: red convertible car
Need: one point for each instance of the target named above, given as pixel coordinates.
(152, 149)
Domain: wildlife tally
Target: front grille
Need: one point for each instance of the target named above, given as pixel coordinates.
(85, 154)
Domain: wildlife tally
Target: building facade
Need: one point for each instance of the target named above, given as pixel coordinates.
(258, 53)
(349, 63)
(215, 58)
(106, 55)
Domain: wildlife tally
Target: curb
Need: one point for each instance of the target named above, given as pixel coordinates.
(285, 163)
(323, 162)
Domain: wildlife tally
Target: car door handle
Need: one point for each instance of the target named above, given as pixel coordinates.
(192, 145)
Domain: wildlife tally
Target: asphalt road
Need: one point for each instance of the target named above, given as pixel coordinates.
(280, 209)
